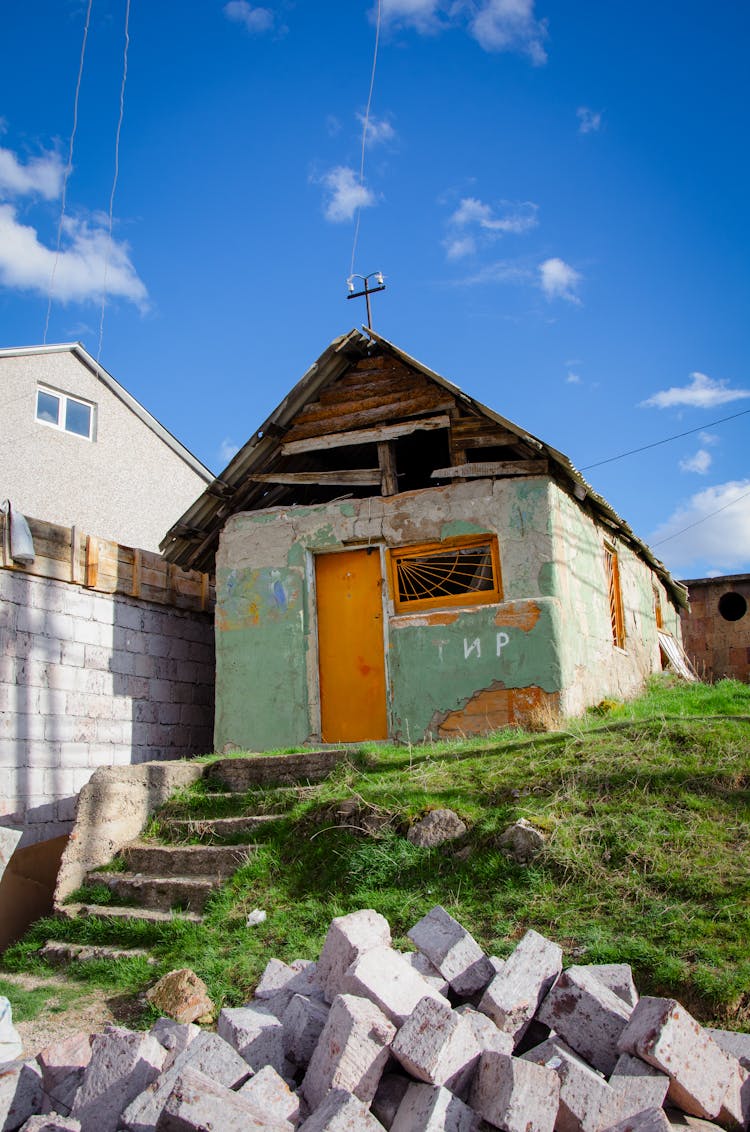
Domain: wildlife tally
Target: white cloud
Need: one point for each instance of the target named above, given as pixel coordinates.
(717, 537)
(496, 25)
(589, 121)
(517, 217)
(510, 25)
(573, 379)
(346, 194)
(501, 271)
(559, 280)
(227, 449)
(40, 176)
(701, 393)
(708, 438)
(257, 21)
(699, 463)
(26, 264)
(460, 247)
(379, 130)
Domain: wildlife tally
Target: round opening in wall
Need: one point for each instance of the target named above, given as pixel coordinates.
(732, 606)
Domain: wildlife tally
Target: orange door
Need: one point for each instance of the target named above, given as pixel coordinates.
(350, 646)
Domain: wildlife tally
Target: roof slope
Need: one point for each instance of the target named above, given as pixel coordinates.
(316, 418)
(82, 354)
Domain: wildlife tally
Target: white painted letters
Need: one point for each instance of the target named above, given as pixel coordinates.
(472, 646)
(502, 640)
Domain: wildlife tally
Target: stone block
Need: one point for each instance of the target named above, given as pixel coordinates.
(734, 1043)
(618, 977)
(514, 995)
(485, 1030)
(52, 1122)
(586, 1100)
(351, 1053)
(735, 1108)
(431, 1108)
(587, 1015)
(435, 828)
(20, 1093)
(436, 1045)
(388, 1096)
(383, 975)
(349, 937)
(198, 1104)
(63, 1065)
(182, 995)
(207, 1053)
(515, 1095)
(453, 950)
(303, 1022)
(257, 1035)
(665, 1035)
(648, 1120)
(270, 1095)
(122, 1065)
(281, 981)
(174, 1036)
(636, 1086)
(427, 970)
(341, 1112)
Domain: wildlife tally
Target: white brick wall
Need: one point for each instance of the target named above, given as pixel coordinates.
(90, 680)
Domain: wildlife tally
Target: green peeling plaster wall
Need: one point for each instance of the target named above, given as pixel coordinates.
(438, 667)
(260, 658)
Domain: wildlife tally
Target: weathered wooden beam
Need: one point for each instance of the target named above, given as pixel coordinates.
(364, 435)
(492, 468)
(475, 433)
(320, 420)
(387, 461)
(344, 476)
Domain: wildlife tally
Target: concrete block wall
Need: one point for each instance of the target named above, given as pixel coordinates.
(87, 680)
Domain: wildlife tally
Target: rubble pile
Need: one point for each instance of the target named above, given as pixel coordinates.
(370, 1038)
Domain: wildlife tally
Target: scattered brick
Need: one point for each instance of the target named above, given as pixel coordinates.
(515, 1095)
(341, 1112)
(351, 1053)
(454, 952)
(197, 1104)
(348, 938)
(436, 1045)
(270, 1095)
(637, 1086)
(432, 1108)
(586, 1100)
(20, 1093)
(122, 1065)
(383, 975)
(587, 1015)
(513, 996)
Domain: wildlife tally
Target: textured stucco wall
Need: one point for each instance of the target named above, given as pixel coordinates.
(126, 485)
(88, 680)
(466, 669)
(718, 647)
(593, 667)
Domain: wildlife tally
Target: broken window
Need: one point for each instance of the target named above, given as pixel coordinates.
(616, 617)
(456, 572)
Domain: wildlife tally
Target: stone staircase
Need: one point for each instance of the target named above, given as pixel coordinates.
(195, 853)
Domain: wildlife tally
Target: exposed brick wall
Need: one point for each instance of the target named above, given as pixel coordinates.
(716, 646)
(90, 679)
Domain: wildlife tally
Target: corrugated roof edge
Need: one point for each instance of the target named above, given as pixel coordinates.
(209, 511)
(128, 399)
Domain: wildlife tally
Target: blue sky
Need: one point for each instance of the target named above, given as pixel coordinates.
(556, 193)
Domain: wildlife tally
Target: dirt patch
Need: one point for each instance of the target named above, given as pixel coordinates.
(91, 1011)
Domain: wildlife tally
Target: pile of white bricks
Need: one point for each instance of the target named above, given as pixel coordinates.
(370, 1038)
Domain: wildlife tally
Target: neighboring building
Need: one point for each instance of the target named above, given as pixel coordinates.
(395, 560)
(79, 450)
(716, 632)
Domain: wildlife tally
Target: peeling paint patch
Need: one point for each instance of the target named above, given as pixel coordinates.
(494, 708)
(460, 527)
(518, 615)
(421, 620)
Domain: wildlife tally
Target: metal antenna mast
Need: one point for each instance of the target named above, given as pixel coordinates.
(366, 291)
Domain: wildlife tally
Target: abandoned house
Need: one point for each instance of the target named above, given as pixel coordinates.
(395, 560)
(79, 450)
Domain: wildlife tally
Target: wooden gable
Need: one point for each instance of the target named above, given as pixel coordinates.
(381, 427)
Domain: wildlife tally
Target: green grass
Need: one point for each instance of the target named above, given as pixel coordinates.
(27, 1004)
(646, 809)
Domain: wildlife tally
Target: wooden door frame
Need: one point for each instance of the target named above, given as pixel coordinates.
(313, 654)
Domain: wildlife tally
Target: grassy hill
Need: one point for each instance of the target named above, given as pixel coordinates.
(645, 807)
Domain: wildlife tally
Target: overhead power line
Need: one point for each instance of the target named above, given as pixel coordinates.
(66, 174)
(667, 440)
(365, 125)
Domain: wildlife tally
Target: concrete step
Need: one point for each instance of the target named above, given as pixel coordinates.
(242, 774)
(55, 951)
(214, 829)
(163, 893)
(218, 861)
(115, 912)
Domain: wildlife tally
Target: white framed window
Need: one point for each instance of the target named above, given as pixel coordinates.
(69, 414)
